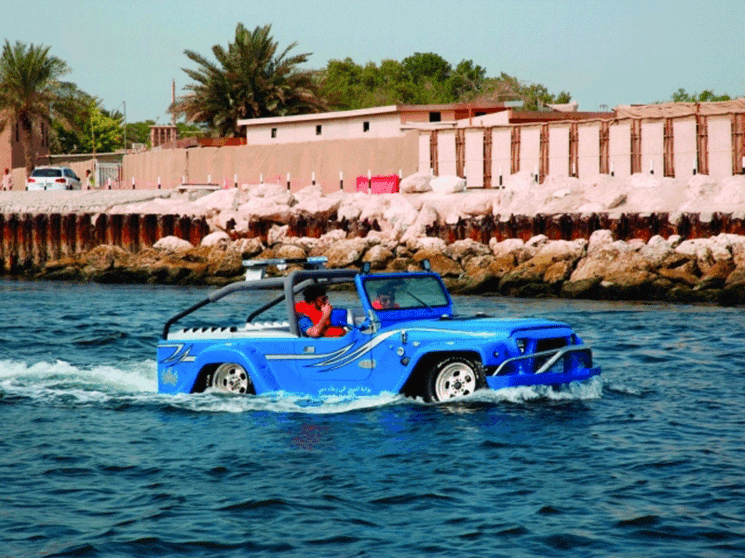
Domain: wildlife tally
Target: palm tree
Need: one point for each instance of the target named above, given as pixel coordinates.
(248, 80)
(31, 92)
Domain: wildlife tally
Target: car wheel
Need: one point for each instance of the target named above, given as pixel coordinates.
(454, 377)
(231, 377)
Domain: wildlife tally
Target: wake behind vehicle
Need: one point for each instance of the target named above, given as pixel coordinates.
(52, 178)
(416, 345)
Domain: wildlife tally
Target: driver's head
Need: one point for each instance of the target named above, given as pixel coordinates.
(386, 297)
(315, 295)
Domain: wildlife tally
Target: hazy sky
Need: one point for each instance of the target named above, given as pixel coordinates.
(603, 52)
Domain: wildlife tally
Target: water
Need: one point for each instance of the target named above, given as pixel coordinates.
(646, 461)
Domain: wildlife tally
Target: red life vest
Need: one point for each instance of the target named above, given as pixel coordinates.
(315, 314)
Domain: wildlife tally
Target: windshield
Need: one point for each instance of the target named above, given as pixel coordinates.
(47, 173)
(387, 293)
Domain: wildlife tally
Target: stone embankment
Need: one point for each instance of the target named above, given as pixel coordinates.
(638, 238)
(673, 269)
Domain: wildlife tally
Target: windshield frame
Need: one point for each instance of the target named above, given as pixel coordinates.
(416, 295)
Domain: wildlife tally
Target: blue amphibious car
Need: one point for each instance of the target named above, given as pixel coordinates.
(417, 347)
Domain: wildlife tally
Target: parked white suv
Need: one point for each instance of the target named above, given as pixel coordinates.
(53, 178)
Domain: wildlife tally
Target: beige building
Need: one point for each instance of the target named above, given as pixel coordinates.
(11, 152)
(378, 122)
(480, 143)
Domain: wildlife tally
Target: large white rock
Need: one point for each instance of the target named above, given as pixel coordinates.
(400, 215)
(173, 243)
(416, 183)
(448, 184)
(269, 210)
(277, 234)
(217, 238)
(507, 246)
(317, 206)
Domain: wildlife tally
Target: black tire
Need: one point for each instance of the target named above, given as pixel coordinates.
(451, 377)
(231, 377)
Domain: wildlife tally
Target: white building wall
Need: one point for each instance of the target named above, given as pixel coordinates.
(720, 145)
(619, 149)
(424, 160)
(684, 147)
(380, 126)
(474, 163)
(558, 150)
(588, 149)
(530, 148)
(446, 153)
(501, 140)
(653, 148)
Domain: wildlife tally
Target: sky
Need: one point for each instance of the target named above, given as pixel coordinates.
(603, 52)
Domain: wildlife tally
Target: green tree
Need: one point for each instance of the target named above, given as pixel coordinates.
(707, 95)
(31, 92)
(250, 79)
(92, 130)
(424, 78)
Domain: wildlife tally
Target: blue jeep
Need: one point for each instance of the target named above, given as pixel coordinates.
(417, 346)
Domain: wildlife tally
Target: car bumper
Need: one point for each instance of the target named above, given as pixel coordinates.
(547, 378)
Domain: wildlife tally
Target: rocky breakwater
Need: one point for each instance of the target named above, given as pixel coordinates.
(398, 231)
(673, 269)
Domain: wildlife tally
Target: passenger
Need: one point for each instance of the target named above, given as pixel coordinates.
(386, 299)
(314, 315)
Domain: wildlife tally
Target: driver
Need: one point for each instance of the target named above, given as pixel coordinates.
(314, 314)
(385, 299)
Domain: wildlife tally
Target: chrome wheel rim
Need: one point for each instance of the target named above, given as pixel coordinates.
(455, 380)
(231, 378)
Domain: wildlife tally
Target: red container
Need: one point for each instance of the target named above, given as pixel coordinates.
(385, 184)
(362, 184)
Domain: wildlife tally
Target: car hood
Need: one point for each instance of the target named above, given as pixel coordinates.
(481, 326)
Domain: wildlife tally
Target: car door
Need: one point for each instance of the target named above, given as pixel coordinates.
(335, 362)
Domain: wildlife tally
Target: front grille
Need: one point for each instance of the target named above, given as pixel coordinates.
(547, 345)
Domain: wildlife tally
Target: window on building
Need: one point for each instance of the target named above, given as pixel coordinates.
(435, 116)
(480, 113)
(318, 130)
(366, 126)
(17, 132)
(274, 132)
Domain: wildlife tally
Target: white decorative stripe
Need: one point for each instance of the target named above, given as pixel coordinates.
(340, 358)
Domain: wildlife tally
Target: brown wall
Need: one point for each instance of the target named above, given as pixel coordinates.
(353, 157)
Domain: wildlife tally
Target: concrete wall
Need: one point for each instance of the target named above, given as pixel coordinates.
(248, 164)
(715, 136)
(684, 148)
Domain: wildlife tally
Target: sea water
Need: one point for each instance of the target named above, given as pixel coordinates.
(647, 460)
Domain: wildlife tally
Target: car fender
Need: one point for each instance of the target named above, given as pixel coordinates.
(448, 348)
(248, 357)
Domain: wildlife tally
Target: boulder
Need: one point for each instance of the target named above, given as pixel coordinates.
(319, 207)
(217, 238)
(345, 253)
(461, 250)
(290, 251)
(513, 246)
(173, 243)
(439, 262)
(378, 256)
(277, 234)
(448, 184)
(416, 183)
(717, 275)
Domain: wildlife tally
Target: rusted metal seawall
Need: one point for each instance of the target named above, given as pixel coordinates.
(29, 240)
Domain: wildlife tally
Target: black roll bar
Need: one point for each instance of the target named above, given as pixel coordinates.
(291, 284)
